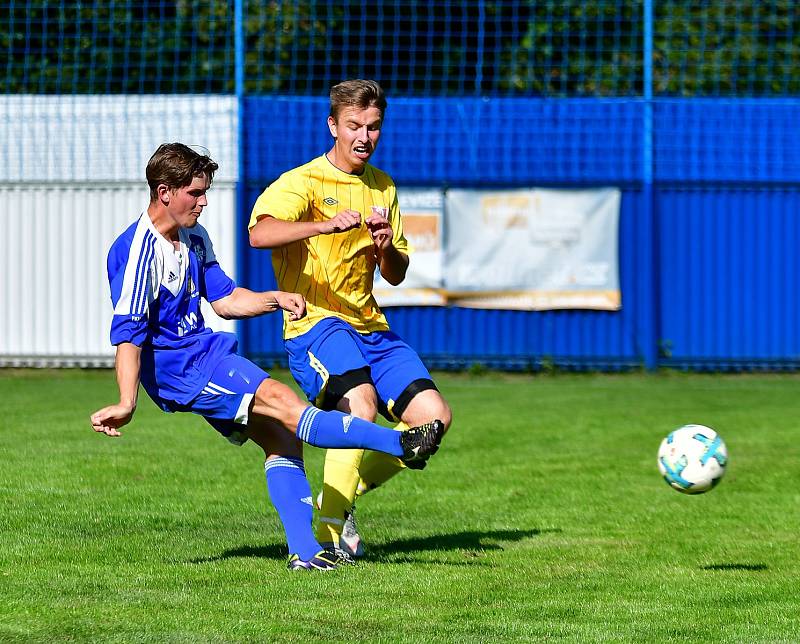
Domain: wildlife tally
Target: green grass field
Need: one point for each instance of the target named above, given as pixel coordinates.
(542, 517)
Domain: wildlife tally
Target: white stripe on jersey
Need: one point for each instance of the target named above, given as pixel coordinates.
(138, 286)
(243, 413)
(214, 388)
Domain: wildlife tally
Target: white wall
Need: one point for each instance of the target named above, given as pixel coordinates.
(71, 180)
(56, 306)
(109, 138)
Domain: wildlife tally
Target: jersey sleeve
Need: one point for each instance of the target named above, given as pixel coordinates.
(133, 280)
(217, 283)
(214, 283)
(287, 199)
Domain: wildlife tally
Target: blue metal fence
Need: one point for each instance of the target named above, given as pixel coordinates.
(708, 265)
(729, 277)
(690, 108)
(463, 141)
(743, 141)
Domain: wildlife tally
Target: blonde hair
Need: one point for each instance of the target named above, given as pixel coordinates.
(359, 93)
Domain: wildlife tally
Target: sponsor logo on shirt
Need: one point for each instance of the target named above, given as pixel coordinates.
(329, 201)
(188, 323)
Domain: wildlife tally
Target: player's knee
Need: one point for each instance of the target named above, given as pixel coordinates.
(362, 402)
(447, 417)
(364, 409)
(275, 400)
(427, 406)
(433, 407)
(443, 413)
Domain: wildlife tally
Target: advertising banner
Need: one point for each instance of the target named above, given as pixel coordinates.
(532, 249)
(423, 217)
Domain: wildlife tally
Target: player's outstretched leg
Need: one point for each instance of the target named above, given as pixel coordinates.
(335, 429)
(420, 443)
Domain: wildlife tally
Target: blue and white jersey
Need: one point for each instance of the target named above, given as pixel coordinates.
(156, 293)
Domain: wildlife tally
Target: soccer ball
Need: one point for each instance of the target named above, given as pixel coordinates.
(692, 459)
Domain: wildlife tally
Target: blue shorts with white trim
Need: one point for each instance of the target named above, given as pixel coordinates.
(332, 347)
(225, 400)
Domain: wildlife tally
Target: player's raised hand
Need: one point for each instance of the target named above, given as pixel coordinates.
(379, 228)
(344, 220)
(109, 419)
(294, 303)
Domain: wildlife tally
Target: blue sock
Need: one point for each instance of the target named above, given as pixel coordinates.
(334, 429)
(290, 493)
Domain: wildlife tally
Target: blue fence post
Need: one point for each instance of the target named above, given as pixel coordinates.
(242, 242)
(481, 38)
(649, 328)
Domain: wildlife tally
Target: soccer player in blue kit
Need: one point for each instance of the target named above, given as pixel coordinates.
(159, 269)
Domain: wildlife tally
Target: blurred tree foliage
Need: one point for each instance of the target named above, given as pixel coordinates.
(132, 47)
(726, 48)
(414, 47)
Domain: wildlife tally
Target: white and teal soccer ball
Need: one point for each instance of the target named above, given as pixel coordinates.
(692, 459)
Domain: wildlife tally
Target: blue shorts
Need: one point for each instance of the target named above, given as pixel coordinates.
(332, 347)
(225, 400)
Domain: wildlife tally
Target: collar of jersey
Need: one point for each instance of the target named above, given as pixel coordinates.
(183, 236)
(352, 177)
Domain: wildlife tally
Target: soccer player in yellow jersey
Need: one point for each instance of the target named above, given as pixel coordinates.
(331, 222)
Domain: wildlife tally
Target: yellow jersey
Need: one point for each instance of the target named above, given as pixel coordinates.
(333, 272)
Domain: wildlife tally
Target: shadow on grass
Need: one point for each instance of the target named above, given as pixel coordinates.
(272, 551)
(735, 566)
(473, 542)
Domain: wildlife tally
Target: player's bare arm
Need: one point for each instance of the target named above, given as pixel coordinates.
(243, 303)
(270, 232)
(392, 262)
(109, 419)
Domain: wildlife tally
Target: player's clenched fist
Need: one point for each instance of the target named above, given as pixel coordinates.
(294, 303)
(344, 220)
(379, 228)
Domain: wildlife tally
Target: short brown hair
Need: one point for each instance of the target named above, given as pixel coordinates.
(175, 165)
(358, 93)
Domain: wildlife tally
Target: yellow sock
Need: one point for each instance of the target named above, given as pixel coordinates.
(376, 468)
(338, 491)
